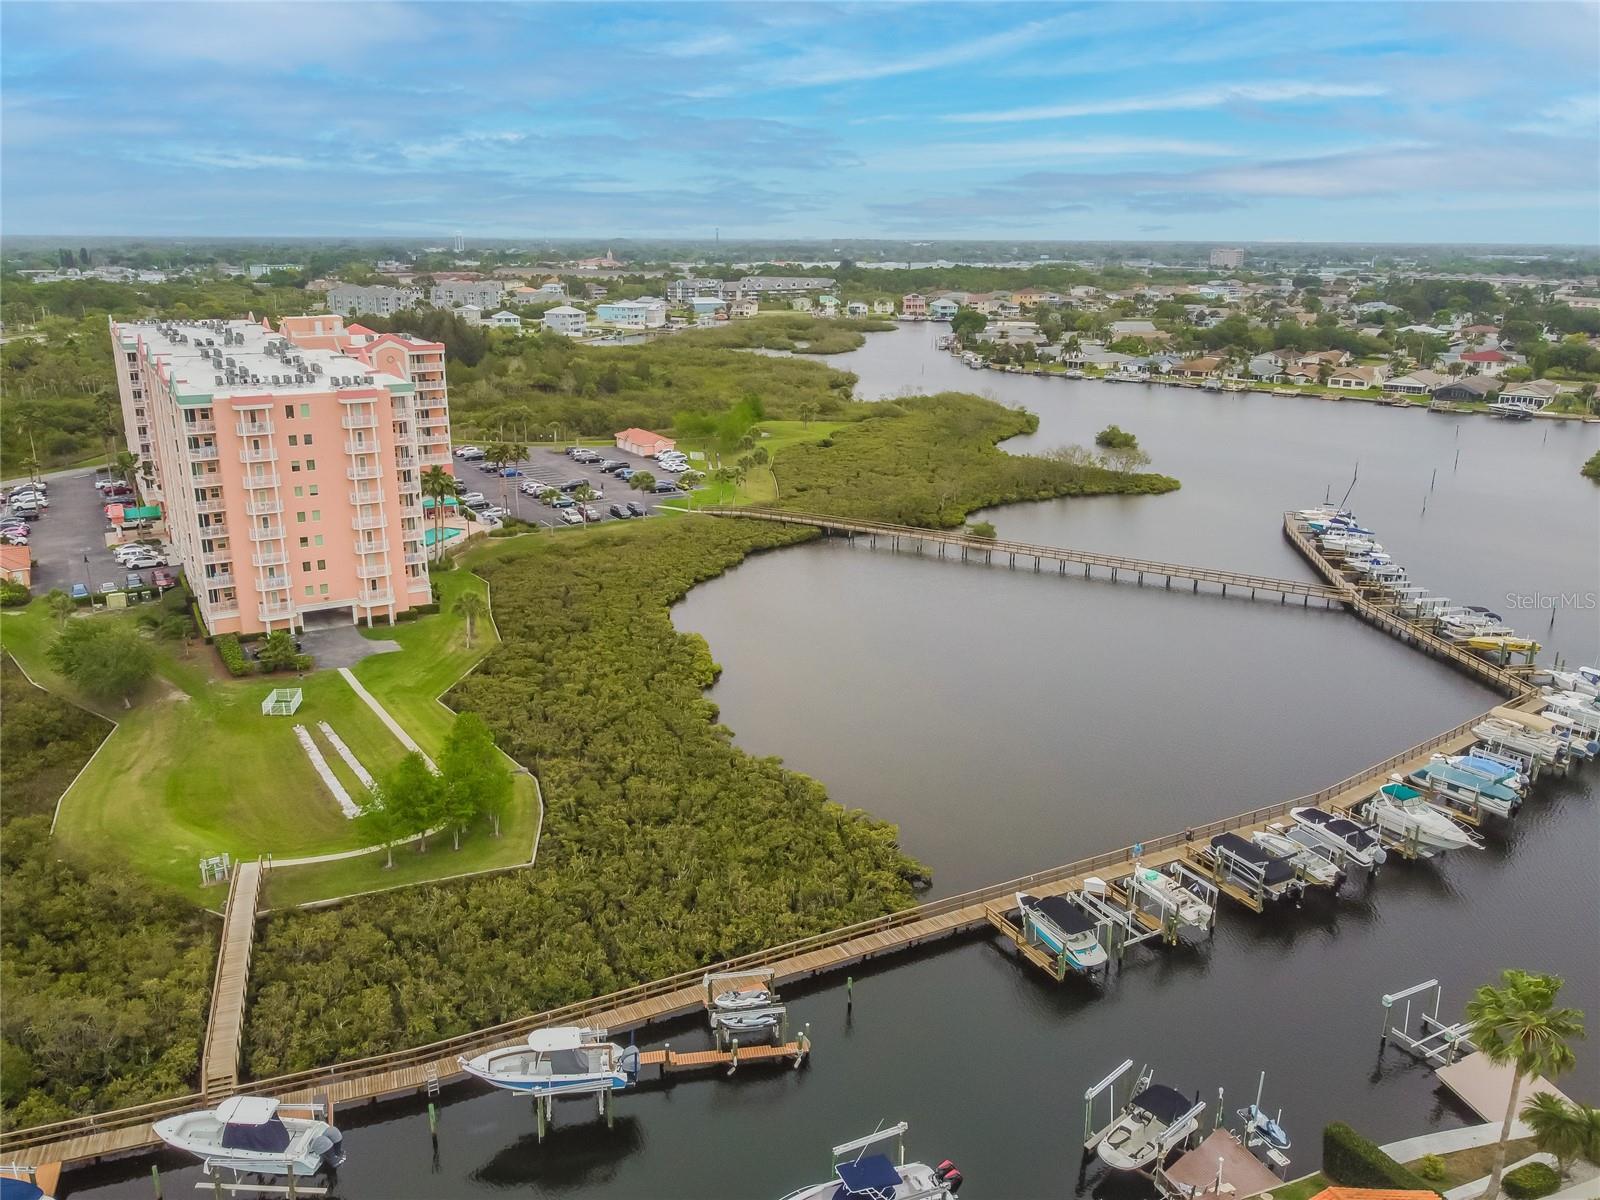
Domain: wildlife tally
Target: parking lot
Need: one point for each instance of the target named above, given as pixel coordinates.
(549, 467)
(68, 542)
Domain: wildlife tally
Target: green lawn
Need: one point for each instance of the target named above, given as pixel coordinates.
(194, 769)
(757, 487)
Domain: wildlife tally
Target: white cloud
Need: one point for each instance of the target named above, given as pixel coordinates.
(825, 67)
(1284, 92)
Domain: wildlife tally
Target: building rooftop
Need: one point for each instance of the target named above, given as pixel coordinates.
(225, 359)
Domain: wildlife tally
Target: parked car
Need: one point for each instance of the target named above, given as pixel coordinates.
(79, 591)
(163, 578)
(664, 486)
(108, 587)
(637, 509)
(472, 498)
(128, 552)
(493, 512)
(611, 464)
(563, 502)
(511, 473)
(468, 452)
(626, 473)
(571, 516)
(135, 581)
(572, 485)
(621, 513)
(589, 512)
(13, 537)
(37, 499)
(489, 468)
(143, 562)
(585, 455)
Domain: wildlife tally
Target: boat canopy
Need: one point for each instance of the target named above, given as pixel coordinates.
(1531, 721)
(1399, 791)
(1163, 1103)
(1498, 771)
(246, 1110)
(547, 1041)
(1273, 870)
(1062, 913)
(252, 1123)
(872, 1176)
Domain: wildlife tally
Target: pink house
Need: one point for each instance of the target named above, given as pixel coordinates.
(643, 442)
(913, 305)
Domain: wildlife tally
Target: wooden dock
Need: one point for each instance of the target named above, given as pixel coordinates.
(219, 1069)
(671, 1062)
(917, 540)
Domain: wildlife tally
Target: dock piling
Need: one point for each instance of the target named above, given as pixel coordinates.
(155, 1178)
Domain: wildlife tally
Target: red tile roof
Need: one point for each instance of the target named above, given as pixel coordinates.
(1485, 356)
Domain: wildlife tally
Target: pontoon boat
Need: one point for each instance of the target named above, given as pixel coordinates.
(1065, 929)
(1313, 863)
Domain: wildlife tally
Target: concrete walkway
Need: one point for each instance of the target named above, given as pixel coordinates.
(405, 738)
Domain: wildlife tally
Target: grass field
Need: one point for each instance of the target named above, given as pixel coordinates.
(758, 486)
(194, 769)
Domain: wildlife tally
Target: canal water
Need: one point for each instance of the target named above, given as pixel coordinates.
(1009, 721)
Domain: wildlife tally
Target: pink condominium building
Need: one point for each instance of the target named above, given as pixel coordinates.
(288, 463)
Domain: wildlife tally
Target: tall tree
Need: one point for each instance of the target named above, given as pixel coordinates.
(378, 821)
(1518, 1024)
(60, 605)
(474, 774)
(415, 796)
(107, 659)
(470, 607)
(438, 485)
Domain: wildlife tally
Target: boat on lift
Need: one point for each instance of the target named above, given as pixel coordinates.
(861, 1171)
(741, 998)
(1157, 1120)
(1176, 902)
(747, 1024)
(1065, 929)
(252, 1135)
(1355, 842)
(1314, 864)
(1462, 786)
(565, 1061)
(1404, 815)
(1585, 681)
(1581, 710)
(1250, 866)
(1494, 769)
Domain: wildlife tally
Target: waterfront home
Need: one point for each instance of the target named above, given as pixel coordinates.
(1534, 395)
(709, 309)
(857, 308)
(646, 312)
(1032, 297)
(943, 309)
(1467, 388)
(1356, 378)
(883, 308)
(745, 306)
(566, 319)
(1302, 376)
(504, 319)
(1265, 366)
(829, 305)
(913, 305)
(1488, 362)
(1199, 368)
(643, 443)
(1417, 383)
(801, 304)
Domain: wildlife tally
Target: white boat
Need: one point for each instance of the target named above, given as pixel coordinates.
(738, 999)
(1585, 681)
(1065, 930)
(1173, 899)
(1404, 815)
(1151, 1125)
(880, 1175)
(1249, 865)
(1583, 711)
(250, 1134)
(1314, 864)
(1258, 1123)
(747, 1024)
(1350, 839)
(566, 1061)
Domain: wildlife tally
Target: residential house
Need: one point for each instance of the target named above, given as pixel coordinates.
(16, 565)
(643, 442)
(829, 305)
(470, 313)
(1488, 333)
(1199, 368)
(1534, 395)
(1356, 378)
(1466, 388)
(745, 306)
(913, 305)
(552, 289)
(1120, 329)
(1266, 366)
(1488, 362)
(1032, 297)
(1372, 307)
(943, 309)
(857, 308)
(709, 309)
(1302, 376)
(1417, 383)
(646, 312)
(566, 319)
(681, 291)
(524, 295)
(883, 308)
(801, 304)
(505, 320)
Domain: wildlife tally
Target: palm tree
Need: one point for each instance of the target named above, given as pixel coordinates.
(1517, 1024)
(1559, 1128)
(125, 464)
(470, 606)
(500, 452)
(60, 605)
(583, 494)
(808, 412)
(438, 485)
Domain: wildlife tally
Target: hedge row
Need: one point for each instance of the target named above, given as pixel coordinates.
(232, 655)
(1354, 1161)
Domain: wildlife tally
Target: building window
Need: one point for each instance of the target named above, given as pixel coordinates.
(288, 412)
(305, 410)
(306, 565)
(316, 514)
(322, 564)
(294, 467)
(294, 439)
(300, 518)
(299, 491)
(323, 588)
(313, 489)
(311, 464)
(304, 542)
(317, 541)
(309, 590)
(308, 439)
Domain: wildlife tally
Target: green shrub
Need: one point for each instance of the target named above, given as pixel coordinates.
(1431, 1168)
(232, 655)
(425, 610)
(1354, 1161)
(13, 594)
(304, 662)
(1530, 1181)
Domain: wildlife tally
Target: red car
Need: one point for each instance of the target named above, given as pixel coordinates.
(163, 578)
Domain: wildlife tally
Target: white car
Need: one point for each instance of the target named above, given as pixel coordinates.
(468, 452)
(131, 550)
(139, 562)
(26, 496)
(472, 499)
(572, 516)
(494, 513)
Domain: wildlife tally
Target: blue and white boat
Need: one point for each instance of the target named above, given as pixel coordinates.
(1406, 819)
(253, 1135)
(1470, 787)
(1494, 769)
(567, 1061)
(1064, 929)
(863, 1171)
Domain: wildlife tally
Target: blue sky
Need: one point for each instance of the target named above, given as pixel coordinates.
(1259, 121)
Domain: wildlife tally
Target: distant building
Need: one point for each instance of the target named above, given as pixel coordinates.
(551, 289)
(681, 291)
(857, 308)
(747, 306)
(257, 270)
(16, 565)
(1489, 362)
(943, 309)
(504, 320)
(1466, 388)
(1417, 383)
(1228, 259)
(883, 308)
(1355, 378)
(780, 284)
(644, 313)
(829, 305)
(566, 319)
(643, 442)
(1534, 395)
(1119, 329)
(380, 300)
(483, 293)
(801, 303)
(913, 304)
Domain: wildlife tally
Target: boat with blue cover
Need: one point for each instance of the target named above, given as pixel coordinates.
(566, 1061)
(862, 1171)
(1466, 786)
(253, 1135)
(1064, 929)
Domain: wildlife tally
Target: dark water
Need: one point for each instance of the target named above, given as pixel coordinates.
(1009, 721)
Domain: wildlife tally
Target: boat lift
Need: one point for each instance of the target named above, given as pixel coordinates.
(1242, 870)
(1154, 908)
(1439, 1044)
(1121, 923)
(1108, 1085)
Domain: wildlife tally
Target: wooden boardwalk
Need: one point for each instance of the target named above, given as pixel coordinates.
(916, 540)
(414, 1071)
(219, 1068)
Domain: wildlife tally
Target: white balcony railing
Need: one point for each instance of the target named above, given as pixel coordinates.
(372, 572)
(362, 447)
(220, 579)
(364, 497)
(415, 558)
(217, 556)
(368, 599)
(373, 472)
(261, 479)
(253, 428)
(275, 612)
(272, 583)
(199, 427)
(373, 546)
(206, 452)
(224, 608)
(265, 533)
(264, 508)
(269, 558)
(212, 504)
(359, 421)
(440, 458)
(369, 521)
(267, 454)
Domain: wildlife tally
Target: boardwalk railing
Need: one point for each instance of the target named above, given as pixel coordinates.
(75, 1138)
(1039, 553)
